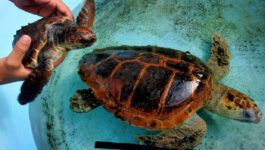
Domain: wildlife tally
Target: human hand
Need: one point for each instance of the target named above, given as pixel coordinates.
(44, 7)
(11, 67)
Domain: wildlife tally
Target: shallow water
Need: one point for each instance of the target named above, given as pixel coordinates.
(183, 25)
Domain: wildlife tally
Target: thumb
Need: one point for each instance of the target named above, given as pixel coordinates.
(19, 50)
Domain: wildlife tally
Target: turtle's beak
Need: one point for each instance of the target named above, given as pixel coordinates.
(88, 38)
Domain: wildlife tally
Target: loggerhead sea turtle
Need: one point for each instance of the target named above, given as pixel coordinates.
(52, 37)
(160, 89)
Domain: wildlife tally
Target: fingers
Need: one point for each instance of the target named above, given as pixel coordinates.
(12, 68)
(21, 47)
(62, 8)
(44, 7)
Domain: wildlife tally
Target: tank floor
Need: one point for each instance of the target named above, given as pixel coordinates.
(183, 25)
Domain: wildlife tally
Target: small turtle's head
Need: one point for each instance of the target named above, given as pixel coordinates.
(238, 106)
(80, 37)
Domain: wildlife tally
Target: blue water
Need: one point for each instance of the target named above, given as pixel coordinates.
(15, 130)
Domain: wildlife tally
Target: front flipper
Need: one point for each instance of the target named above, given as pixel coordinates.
(187, 136)
(84, 101)
(33, 85)
(219, 61)
(87, 14)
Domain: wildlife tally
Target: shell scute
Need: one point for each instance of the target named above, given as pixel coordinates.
(106, 68)
(128, 73)
(129, 55)
(147, 95)
(150, 58)
(181, 66)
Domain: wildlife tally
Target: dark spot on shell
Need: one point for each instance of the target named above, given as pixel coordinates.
(92, 58)
(168, 53)
(150, 58)
(188, 57)
(230, 97)
(106, 68)
(181, 66)
(126, 55)
(95, 58)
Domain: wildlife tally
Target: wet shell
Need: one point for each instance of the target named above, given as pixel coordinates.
(151, 87)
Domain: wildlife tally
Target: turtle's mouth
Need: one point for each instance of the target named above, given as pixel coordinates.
(88, 39)
(88, 42)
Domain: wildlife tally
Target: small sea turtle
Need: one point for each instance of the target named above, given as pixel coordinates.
(52, 37)
(160, 88)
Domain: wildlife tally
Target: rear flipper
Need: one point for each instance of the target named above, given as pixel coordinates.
(84, 101)
(33, 85)
(187, 136)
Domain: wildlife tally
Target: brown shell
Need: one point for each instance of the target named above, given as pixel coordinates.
(39, 39)
(151, 87)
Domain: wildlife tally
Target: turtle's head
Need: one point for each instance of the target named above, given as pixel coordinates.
(238, 106)
(79, 37)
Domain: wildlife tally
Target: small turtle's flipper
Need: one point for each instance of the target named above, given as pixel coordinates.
(84, 101)
(33, 85)
(233, 104)
(87, 14)
(219, 61)
(187, 136)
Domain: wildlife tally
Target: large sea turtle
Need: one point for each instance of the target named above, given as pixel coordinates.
(161, 89)
(52, 37)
